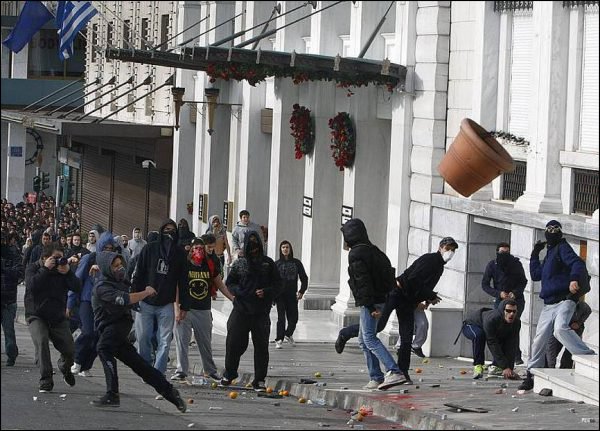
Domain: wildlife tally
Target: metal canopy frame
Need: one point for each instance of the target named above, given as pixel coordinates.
(300, 67)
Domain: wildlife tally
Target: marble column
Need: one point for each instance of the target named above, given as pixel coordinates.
(547, 110)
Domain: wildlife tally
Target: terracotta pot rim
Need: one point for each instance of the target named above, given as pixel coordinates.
(486, 143)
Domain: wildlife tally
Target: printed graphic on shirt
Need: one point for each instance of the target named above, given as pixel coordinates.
(198, 284)
(162, 267)
(288, 271)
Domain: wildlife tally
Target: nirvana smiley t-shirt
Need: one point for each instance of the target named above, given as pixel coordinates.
(199, 282)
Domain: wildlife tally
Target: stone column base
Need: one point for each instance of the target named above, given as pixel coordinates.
(320, 297)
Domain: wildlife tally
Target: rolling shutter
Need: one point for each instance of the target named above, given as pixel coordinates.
(129, 204)
(95, 189)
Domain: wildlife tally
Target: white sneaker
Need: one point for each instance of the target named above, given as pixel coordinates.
(76, 368)
(373, 384)
(84, 374)
(278, 344)
(392, 379)
(290, 340)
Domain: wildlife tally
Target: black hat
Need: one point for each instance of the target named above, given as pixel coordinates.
(448, 240)
(554, 223)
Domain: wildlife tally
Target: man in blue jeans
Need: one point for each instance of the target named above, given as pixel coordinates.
(369, 294)
(561, 273)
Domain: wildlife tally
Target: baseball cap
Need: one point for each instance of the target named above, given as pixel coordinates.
(448, 240)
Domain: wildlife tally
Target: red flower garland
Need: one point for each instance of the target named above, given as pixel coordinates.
(302, 130)
(344, 140)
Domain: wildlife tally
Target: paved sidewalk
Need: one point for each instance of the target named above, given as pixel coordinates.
(420, 406)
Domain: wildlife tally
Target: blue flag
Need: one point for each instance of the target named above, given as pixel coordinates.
(71, 17)
(33, 17)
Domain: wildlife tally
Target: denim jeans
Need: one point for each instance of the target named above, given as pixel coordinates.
(85, 344)
(372, 347)
(164, 315)
(477, 336)
(554, 320)
(421, 328)
(9, 313)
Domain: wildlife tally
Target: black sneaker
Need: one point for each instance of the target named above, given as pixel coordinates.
(108, 400)
(518, 361)
(340, 343)
(10, 362)
(215, 377)
(69, 378)
(178, 376)
(225, 381)
(46, 387)
(527, 384)
(259, 386)
(174, 398)
(418, 351)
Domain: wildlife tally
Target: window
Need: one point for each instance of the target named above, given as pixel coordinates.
(164, 31)
(513, 183)
(520, 74)
(585, 191)
(109, 34)
(126, 34)
(43, 58)
(6, 55)
(94, 41)
(588, 126)
(145, 33)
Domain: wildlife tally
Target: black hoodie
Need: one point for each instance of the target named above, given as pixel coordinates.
(164, 267)
(249, 274)
(362, 266)
(110, 298)
(501, 336)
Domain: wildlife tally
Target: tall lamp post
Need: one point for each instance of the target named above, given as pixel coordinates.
(147, 164)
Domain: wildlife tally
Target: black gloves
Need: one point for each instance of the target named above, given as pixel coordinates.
(539, 246)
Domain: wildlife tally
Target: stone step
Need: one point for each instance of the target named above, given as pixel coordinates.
(586, 366)
(566, 384)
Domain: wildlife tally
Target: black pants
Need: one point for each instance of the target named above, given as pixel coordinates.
(554, 347)
(287, 305)
(238, 327)
(113, 343)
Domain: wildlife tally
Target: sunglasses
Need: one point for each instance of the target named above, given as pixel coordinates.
(553, 229)
(510, 311)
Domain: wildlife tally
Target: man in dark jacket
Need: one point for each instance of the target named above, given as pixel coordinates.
(11, 275)
(254, 282)
(509, 282)
(163, 265)
(561, 272)
(47, 283)
(370, 295)
(112, 302)
(500, 329)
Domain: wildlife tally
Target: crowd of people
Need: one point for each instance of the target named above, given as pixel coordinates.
(169, 281)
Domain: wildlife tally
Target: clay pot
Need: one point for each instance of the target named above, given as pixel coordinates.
(474, 159)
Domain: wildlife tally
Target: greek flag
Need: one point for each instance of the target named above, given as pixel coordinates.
(32, 18)
(71, 17)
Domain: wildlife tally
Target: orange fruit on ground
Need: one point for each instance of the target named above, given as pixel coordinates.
(418, 370)
(190, 401)
(359, 417)
(269, 390)
(285, 393)
(302, 400)
(463, 372)
(233, 395)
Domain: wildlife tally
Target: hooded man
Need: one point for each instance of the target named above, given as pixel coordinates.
(504, 278)
(136, 243)
(112, 302)
(500, 329)
(241, 232)
(561, 273)
(185, 235)
(162, 265)
(88, 272)
(93, 236)
(254, 281)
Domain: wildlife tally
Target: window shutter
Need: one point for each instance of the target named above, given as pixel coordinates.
(520, 75)
(588, 130)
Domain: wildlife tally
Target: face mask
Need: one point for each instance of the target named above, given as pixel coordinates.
(197, 256)
(169, 235)
(447, 255)
(119, 274)
(502, 259)
(553, 238)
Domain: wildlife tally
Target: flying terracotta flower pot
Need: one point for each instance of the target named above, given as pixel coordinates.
(474, 159)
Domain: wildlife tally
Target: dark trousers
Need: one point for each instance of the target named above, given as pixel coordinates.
(42, 333)
(477, 336)
(238, 327)
(9, 313)
(554, 346)
(287, 306)
(113, 344)
(85, 344)
(520, 308)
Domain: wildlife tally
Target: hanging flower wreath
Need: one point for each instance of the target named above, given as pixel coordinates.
(302, 131)
(344, 140)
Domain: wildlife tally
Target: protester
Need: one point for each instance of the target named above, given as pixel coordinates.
(577, 324)
(112, 302)
(290, 269)
(136, 243)
(11, 275)
(241, 232)
(220, 233)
